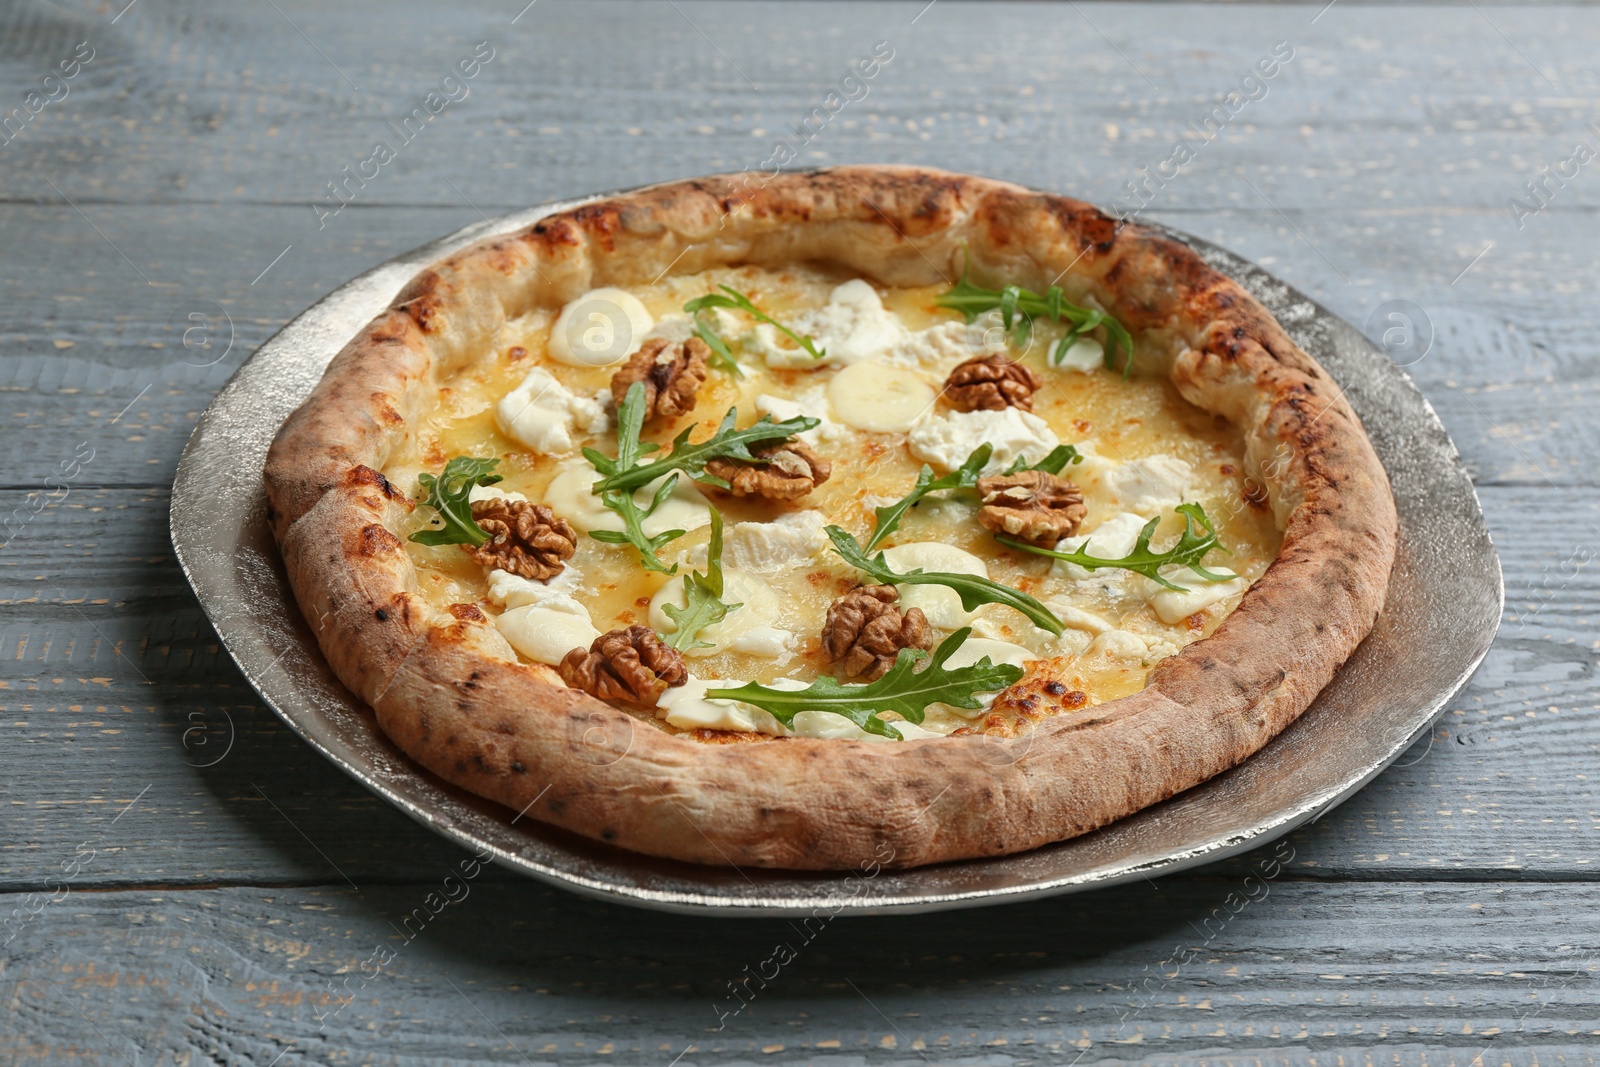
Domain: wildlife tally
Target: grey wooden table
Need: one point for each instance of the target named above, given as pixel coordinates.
(183, 882)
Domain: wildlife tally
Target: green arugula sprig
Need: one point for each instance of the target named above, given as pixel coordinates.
(721, 355)
(1199, 538)
(450, 495)
(905, 690)
(1054, 463)
(630, 421)
(703, 604)
(973, 589)
(727, 443)
(1019, 307)
(963, 477)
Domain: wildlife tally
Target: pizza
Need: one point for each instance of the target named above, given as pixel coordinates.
(870, 513)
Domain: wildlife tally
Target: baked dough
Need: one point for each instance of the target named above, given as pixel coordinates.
(445, 689)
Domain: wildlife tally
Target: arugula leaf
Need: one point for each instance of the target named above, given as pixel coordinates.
(1189, 552)
(448, 495)
(630, 421)
(737, 301)
(1054, 463)
(974, 590)
(1019, 307)
(904, 690)
(703, 604)
(633, 517)
(963, 477)
(726, 443)
(722, 357)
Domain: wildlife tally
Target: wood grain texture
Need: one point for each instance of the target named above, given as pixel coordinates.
(1443, 915)
(1192, 971)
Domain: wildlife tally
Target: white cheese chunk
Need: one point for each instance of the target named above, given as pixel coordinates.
(831, 727)
(568, 496)
(750, 628)
(790, 540)
(600, 328)
(941, 604)
(910, 731)
(879, 398)
(1171, 606)
(940, 347)
(852, 326)
(813, 403)
(546, 631)
(1077, 618)
(1085, 354)
(492, 492)
(686, 707)
(542, 413)
(1112, 539)
(513, 590)
(1132, 647)
(1148, 486)
(975, 648)
(947, 440)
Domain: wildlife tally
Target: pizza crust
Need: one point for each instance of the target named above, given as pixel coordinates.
(447, 691)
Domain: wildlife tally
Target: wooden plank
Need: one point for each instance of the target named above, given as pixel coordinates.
(1220, 971)
(1514, 369)
(247, 104)
(114, 681)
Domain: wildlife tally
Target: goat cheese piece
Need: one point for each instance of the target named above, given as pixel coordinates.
(940, 347)
(686, 707)
(812, 403)
(947, 440)
(546, 632)
(827, 725)
(879, 398)
(542, 620)
(1148, 486)
(1171, 606)
(542, 413)
(941, 604)
(1085, 354)
(791, 539)
(1112, 539)
(600, 328)
(493, 492)
(749, 628)
(852, 326)
(569, 497)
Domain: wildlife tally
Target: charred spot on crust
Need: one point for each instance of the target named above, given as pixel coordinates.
(374, 540)
(423, 300)
(362, 474)
(517, 767)
(382, 615)
(468, 613)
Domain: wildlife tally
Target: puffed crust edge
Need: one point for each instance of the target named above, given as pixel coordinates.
(448, 691)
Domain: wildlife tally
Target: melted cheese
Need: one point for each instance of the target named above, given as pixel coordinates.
(947, 440)
(1145, 450)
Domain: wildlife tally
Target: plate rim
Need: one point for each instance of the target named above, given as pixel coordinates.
(709, 900)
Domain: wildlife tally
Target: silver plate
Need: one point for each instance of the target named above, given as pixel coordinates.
(1444, 605)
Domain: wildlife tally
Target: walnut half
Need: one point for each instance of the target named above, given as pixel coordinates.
(1033, 506)
(671, 373)
(630, 664)
(791, 470)
(867, 630)
(991, 383)
(525, 538)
